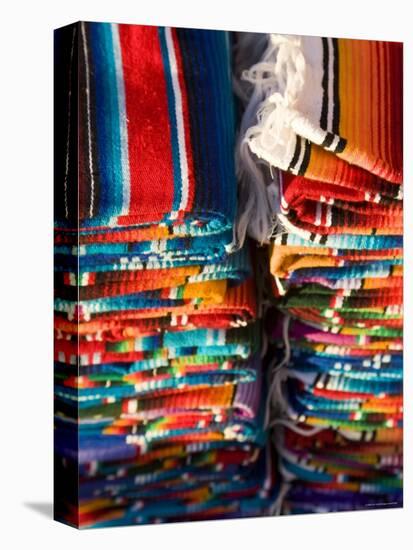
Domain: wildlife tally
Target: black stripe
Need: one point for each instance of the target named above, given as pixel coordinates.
(196, 104)
(328, 140)
(341, 219)
(306, 158)
(297, 152)
(323, 239)
(334, 217)
(324, 84)
(65, 99)
(341, 145)
(85, 188)
(284, 238)
(336, 99)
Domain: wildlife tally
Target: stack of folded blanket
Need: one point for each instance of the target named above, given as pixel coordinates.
(321, 151)
(158, 380)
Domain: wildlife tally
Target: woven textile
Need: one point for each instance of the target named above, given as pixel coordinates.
(325, 116)
(325, 110)
(159, 413)
(147, 93)
(196, 374)
(333, 106)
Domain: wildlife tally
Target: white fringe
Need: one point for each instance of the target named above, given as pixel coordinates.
(278, 80)
(270, 87)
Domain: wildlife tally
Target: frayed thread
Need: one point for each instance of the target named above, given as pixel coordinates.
(278, 79)
(256, 210)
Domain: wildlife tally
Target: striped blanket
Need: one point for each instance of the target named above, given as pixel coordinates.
(144, 93)
(322, 140)
(332, 109)
(158, 376)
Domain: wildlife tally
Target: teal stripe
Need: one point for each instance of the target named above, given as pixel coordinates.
(172, 120)
(107, 119)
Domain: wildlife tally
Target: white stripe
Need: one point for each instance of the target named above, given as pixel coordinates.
(132, 406)
(284, 203)
(69, 108)
(280, 287)
(210, 337)
(122, 119)
(318, 214)
(179, 119)
(284, 206)
(302, 233)
(329, 217)
(334, 143)
(89, 132)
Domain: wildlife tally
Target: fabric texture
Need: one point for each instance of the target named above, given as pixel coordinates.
(322, 140)
(158, 375)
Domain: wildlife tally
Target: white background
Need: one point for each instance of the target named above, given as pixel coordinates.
(26, 273)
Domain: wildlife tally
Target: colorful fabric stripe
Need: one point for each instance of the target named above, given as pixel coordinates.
(325, 116)
(158, 389)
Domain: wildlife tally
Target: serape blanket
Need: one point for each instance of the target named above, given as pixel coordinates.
(333, 108)
(165, 409)
(156, 137)
(321, 140)
(326, 110)
(159, 409)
